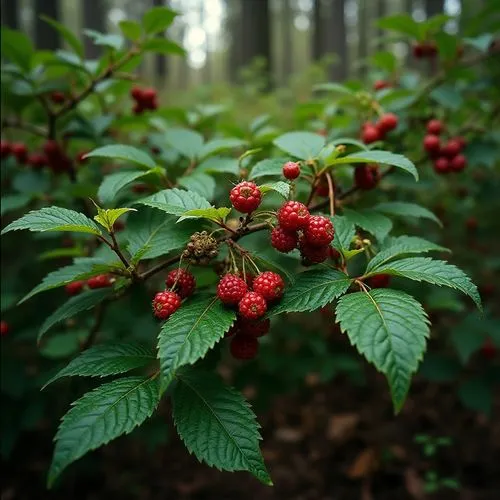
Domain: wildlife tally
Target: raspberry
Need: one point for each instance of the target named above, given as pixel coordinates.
(231, 289)
(434, 127)
(244, 347)
(379, 281)
(387, 122)
(293, 215)
(432, 143)
(245, 197)
(283, 241)
(74, 288)
(488, 350)
(57, 97)
(5, 149)
(252, 306)
(380, 84)
(181, 281)
(319, 231)
(136, 93)
(99, 281)
(418, 51)
(458, 163)
(137, 109)
(366, 176)
(234, 330)
(148, 95)
(370, 134)
(37, 160)
(254, 328)
(165, 304)
(462, 141)
(442, 165)
(270, 285)
(291, 170)
(4, 328)
(20, 151)
(451, 149)
(52, 149)
(313, 255)
(322, 188)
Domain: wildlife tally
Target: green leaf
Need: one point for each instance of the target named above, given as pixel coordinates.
(175, 201)
(124, 153)
(186, 142)
(385, 60)
(105, 360)
(67, 34)
(389, 328)
(333, 87)
(282, 188)
(448, 96)
(268, 168)
(112, 41)
(212, 213)
(131, 29)
(373, 222)
(73, 306)
(219, 165)
(344, 233)
(191, 332)
(100, 416)
(312, 290)
(163, 46)
(199, 183)
(217, 146)
(54, 219)
(17, 47)
(401, 23)
(302, 145)
(342, 141)
(383, 157)
(217, 425)
(13, 202)
(481, 42)
(436, 272)
(107, 217)
(402, 246)
(158, 19)
(113, 183)
(406, 210)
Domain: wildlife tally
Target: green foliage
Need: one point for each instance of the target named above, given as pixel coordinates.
(124, 153)
(176, 201)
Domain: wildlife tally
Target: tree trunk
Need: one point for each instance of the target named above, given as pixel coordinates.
(95, 14)
(317, 43)
(433, 7)
(46, 37)
(335, 39)
(381, 12)
(287, 23)
(235, 47)
(10, 14)
(160, 66)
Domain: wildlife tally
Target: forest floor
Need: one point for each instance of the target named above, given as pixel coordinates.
(330, 442)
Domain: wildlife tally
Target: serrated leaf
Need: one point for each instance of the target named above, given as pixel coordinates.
(406, 210)
(158, 19)
(389, 328)
(282, 188)
(344, 233)
(219, 165)
(199, 183)
(109, 216)
(301, 145)
(124, 153)
(191, 332)
(212, 213)
(105, 360)
(74, 305)
(437, 272)
(403, 246)
(186, 142)
(175, 201)
(216, 146)
(267, 168)
(217, 425)
(383, 157)
(54, 219)
(373, 222)
(100, 416)
(312, 290)
(112, 184)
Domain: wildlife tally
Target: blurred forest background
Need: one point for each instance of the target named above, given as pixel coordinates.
(223, 36)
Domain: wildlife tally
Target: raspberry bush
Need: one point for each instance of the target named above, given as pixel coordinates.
(175, 237)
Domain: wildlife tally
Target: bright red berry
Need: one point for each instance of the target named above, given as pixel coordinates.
(291, 170)
(5, 149)
(181, 281)
(432, 143)
(293, 215)
(136, 93)
(252, 306)
(451, 148)
(283, 241)
(370, 133)
(379, 281)
(458, 163)
(313, 254)
(270, 285)
(387, 122)
(434, 127)
(442, 165)
(488, 350)
(165, 304)
(4, 328)
(148, 95)
(231, 289)
(366, 176)
(20, 151)
(99, 281)
(254, 328)
(244, 347)
(57, 97)
(245, 197)
(75, 287)
(319, 231)
(381, 84)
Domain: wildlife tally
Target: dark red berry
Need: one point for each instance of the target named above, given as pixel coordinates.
(458, 163)
(434, 127)
(52, 149)
(462, 141)
(137, 109)
(381, 84)
(181, 281)
(5, 149)
(148, 95)
(231, 289)
(313, 254)
(451, 148)
(74, 288)
(57, 97)
(370, 133)
(283, 241)
(99, 281)
(254, 328)
(379, 281)
(244, 347)
(488, 349)
(165, 304)
(366, 176)
(471, 224)
(319, 231)
(20, 151)
(333, 253)
(418, 51)
(37, 160)
(245, 197)
(4, 328)
(291, 170)
(432, 143)
(270, 285)
(136, 93)
(252, 306)
(293, 215)
(322, 189)
(442, 165)
(387, 122)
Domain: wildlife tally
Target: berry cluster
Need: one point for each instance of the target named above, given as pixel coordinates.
(372, 132)
(447, 157)
(145, 99)
(99, 281)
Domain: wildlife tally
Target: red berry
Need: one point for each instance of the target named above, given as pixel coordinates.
(165, 304)
(4, 328)
(293, 215)
(432, 143)
(75, 287)
(270, 285)
(418, 51)
(370, 134)
(231, 289)
(366, 176)
(434, 127)
(99, 281)
(458, 163)
(283, 241)
(381, 84)
(462, 141)
(442, 165)
(247, 277)
(488, 350)
(20, 151)
(52, 149)
(252, 306)
(234, 330)
(245, 197)
(137, 109)
(319, 231)
(291, 170)
(387, 122)
(136, 93)
(37, 160)
(254, 328)
(333, 253)
(5, 149)
(451, 148)
(379, 281)
(312, 254)
(244, 347)
(322, 188)
(471, 224)
(430, 49)
(148, 95)
(181, 281)
(57, 97)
